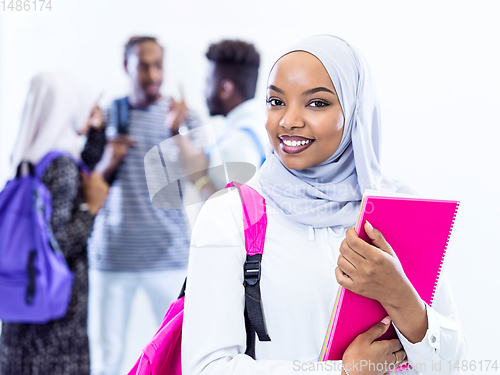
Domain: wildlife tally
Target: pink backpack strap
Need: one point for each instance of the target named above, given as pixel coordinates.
(255, 225)
(254, 218)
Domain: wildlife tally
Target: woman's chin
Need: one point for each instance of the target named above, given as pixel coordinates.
(293, 162)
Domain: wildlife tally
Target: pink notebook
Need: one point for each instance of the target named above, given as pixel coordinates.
(418, 231)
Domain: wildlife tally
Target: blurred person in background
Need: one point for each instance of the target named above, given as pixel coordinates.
(59, 110)
(134, 244)
(230, 90)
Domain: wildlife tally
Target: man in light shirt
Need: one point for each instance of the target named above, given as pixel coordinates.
(230, 89)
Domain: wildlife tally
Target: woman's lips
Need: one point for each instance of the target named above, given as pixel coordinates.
(293, 144)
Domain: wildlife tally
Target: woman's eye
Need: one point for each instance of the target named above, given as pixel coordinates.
(319, 103)
(275, 102)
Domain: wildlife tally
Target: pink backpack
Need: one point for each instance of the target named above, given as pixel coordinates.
(162, 355)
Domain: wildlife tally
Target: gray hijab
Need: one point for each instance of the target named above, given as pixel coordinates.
(329, 194)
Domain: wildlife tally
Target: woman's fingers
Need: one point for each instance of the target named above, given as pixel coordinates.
(394, 345)
(350, 254)
(378, 273)
(356, 244)
(346, 266)
(378, 239)
(343, 279)
(378, 329)
(364, 249)
(400, 355)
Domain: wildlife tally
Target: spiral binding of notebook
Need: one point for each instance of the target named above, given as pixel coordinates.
(445, 250)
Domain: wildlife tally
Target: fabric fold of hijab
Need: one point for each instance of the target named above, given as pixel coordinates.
(329, 194)
(56, 109)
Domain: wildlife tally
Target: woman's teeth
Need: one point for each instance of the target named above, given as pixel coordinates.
(296, 143)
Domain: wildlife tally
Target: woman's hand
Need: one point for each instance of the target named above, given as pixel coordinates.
(374, 271)
(367, 356)
(95, 190)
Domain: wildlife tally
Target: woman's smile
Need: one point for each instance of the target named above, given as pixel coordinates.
(293, 144)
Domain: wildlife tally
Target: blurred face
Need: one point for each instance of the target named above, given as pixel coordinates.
(304, 117)
(212, 91)
(145, 68)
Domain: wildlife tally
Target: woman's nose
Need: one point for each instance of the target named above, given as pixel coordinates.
(292, 118)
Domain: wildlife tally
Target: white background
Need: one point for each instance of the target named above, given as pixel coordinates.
(437, 68)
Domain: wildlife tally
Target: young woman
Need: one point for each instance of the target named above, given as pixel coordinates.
(323, 124)
(58, 111)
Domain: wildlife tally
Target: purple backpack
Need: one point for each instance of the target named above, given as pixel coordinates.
(35, 281)
(162, 355)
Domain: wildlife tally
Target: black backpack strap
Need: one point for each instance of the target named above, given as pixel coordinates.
(121, 109)
(183, 289)
(254, 318)
(29, 167)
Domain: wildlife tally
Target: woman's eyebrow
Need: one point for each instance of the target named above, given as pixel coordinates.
(317, 89)
(274, 88)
